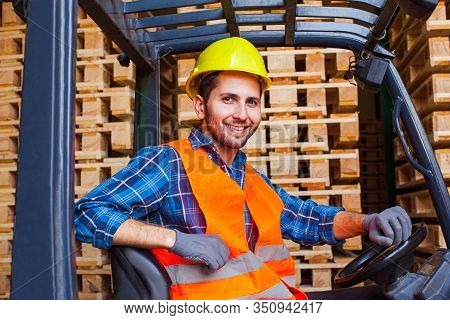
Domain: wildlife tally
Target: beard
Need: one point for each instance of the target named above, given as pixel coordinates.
(223, 135)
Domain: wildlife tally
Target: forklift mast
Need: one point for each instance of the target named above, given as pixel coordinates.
(43, 246)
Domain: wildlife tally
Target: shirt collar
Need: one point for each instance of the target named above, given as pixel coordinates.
(199, 139)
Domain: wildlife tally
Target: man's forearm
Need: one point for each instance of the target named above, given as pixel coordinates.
(138, 234)
(348, 224)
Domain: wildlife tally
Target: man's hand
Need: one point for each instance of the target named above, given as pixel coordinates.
(393, 225)
(209, 250)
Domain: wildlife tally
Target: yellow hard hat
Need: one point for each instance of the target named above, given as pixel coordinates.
(235, 54)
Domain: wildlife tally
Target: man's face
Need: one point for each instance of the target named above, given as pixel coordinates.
(233, 111)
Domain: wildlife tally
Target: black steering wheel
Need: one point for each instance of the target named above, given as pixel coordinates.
(393, 261)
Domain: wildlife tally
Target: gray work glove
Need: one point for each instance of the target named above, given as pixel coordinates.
(207, 249)
(393, 225)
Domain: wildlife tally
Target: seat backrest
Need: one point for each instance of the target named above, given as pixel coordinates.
(137, 275)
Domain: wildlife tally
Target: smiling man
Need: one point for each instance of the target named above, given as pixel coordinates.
(211, 220)
(231, 112)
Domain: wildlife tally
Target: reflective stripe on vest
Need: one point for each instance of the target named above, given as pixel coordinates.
(269, 273)
(191, 273)
(277, 292)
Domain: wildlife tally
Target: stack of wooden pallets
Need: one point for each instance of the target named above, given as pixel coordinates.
(373, 180)
(104, 132)
(103, 135)
(309, 132)
(423, 60)
(12, 35)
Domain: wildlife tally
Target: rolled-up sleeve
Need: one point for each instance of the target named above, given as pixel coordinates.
(304, 221)
(133, 192)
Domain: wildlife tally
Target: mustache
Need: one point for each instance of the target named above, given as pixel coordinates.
(240, 123)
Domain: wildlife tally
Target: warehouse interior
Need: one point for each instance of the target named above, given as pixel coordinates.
(321, 138)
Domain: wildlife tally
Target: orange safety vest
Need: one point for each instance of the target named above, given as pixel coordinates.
(269, 273)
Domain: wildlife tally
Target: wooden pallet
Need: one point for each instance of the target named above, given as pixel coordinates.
(435, 238)
(317, 255)
(6, 219)
(89, 174)
(397, 32)
(437, 126)
(285, 163)
(9, 136)
(418, 204)
(12, 43)
(336, 61)
(347, 196)
(92, 143)
(341, 127)
(94, 283)
(8, 17)
(345, 170)
(5, 286)
(432, 95)
(117, 102)
(7, 178)
(315, 276)
(371, 126)
(302, 90)
(373, 183)
(285, 73)
(5, 277)
(370, 154)
(409, 34)
(374, 140)
(184, 68)
(89, 257)
(406, 176)
(433, 57)
(92, 43)
(6, 237)
(9, 106)
(98, 74)
(399, 153)
(372, 169)
(10, 73)
(95, 287)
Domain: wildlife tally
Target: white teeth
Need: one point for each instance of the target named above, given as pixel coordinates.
(236, 128)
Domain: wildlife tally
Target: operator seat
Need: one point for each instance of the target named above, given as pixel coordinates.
(137, 275)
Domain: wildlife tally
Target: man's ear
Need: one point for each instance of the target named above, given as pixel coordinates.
(199, 107)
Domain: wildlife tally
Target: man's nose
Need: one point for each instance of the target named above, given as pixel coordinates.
(240, 112)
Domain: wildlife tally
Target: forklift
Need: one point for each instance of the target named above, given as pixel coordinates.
(43, 265)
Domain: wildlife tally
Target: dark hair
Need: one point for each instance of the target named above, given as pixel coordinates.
(207, 84)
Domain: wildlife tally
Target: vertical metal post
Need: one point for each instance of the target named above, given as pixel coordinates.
(146, 129)
(388, 138)
(43, 264)
(422, 150)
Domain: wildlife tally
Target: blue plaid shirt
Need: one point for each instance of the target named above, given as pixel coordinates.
(154, 188)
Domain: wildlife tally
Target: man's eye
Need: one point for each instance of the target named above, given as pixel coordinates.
(228, 99)
(253, 103)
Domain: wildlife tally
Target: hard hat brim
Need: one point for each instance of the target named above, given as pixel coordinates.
(192, 85)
